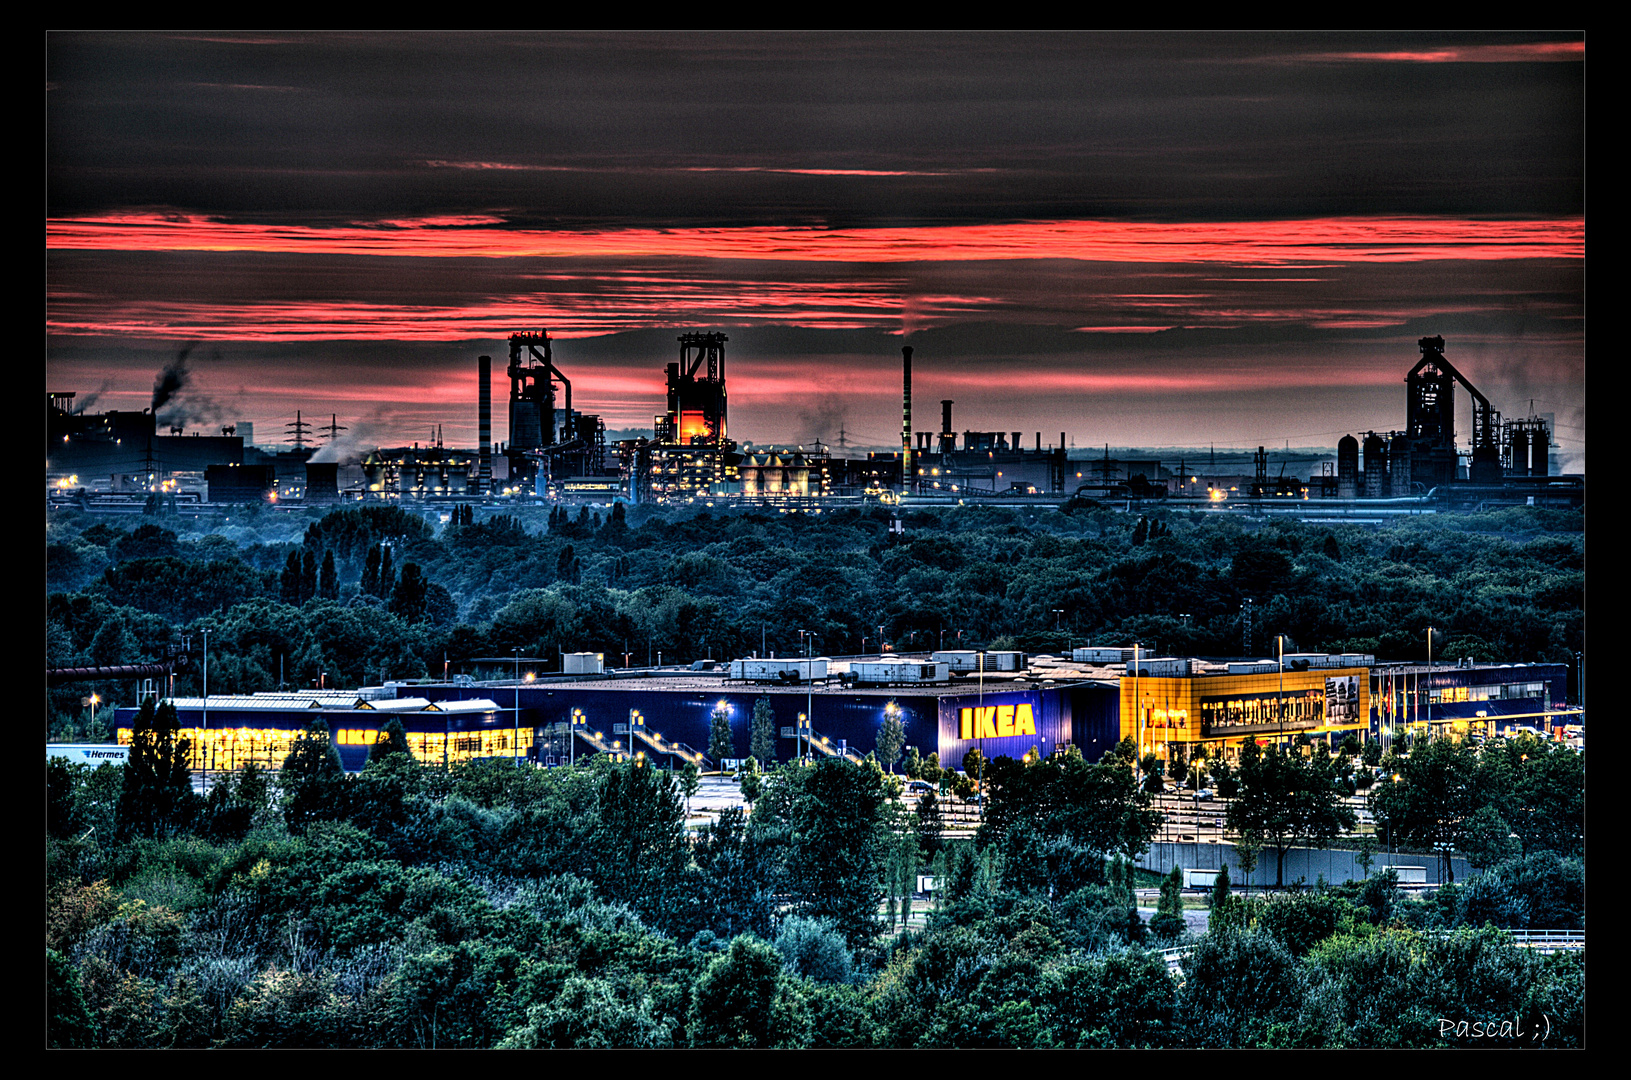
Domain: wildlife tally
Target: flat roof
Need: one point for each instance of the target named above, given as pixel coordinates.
(719, 684)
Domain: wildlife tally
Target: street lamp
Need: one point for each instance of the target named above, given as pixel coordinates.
(1280, 699)
(515, 739)
(1430, 630)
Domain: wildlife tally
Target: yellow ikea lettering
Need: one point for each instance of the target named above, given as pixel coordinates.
(996, 721)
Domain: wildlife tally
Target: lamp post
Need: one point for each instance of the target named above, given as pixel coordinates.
(1430, 630)
(978, 741)
(1138, 712)
(1280, 697)
(515, 739)
(206, 720)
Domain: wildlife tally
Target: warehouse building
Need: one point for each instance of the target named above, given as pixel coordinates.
(1169, 706)
(1465, 698)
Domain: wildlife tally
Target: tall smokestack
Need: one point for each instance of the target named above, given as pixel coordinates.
(484, 475)
(906, 419)
(948, 441)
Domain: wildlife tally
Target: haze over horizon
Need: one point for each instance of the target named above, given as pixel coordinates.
(1140, 239)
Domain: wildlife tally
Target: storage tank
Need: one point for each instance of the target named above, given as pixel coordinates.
(1520, 452)
(1375, 466)
(1399, 466)
(1347, 467)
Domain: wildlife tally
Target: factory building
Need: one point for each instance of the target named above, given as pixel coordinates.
(691, 454)
(549, 443)
(1503, 461)
(126, 451)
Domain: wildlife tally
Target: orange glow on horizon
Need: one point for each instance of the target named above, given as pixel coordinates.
(1272, 243)
(1526, 52)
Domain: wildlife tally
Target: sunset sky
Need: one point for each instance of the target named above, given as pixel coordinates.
(1135, 239)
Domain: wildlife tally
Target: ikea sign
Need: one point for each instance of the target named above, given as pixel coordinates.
(996, 721)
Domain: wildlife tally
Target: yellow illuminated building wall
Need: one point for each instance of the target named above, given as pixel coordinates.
(230, 749)
(1225, 710)
(233, 748)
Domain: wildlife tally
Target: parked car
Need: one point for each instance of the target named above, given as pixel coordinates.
(1204, 794)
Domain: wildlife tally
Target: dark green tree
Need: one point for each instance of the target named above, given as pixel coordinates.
(234, 800)
(1431, 797)
(370, 572)
(1220, 889)
(408, 597)
(720, 743)
(815, 950)
(393, 740)
(929, 825)
(1168, 922)
(69, 1022)
(313, 779)
(1236, 986)
(688, 777)
(762, 740)
(308, 574)
(641, 835)
(1539, 788)
(289, 583)
(1287, 796)
(1056, 820)
(157, 799)
(328, 578)
(834, 846)
(590, 1013)
(743, 1001)
(1154, 774)
(751, 781)
(566, 566)
(1488, 839)
(891, 737)
(386, 582)
(732, 891)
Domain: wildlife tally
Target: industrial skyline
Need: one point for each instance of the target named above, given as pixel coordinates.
(1136, 239)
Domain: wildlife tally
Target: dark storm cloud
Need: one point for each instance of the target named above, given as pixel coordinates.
(606, 128)
(662, 132)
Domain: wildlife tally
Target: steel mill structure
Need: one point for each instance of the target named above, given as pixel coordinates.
(553, 452)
